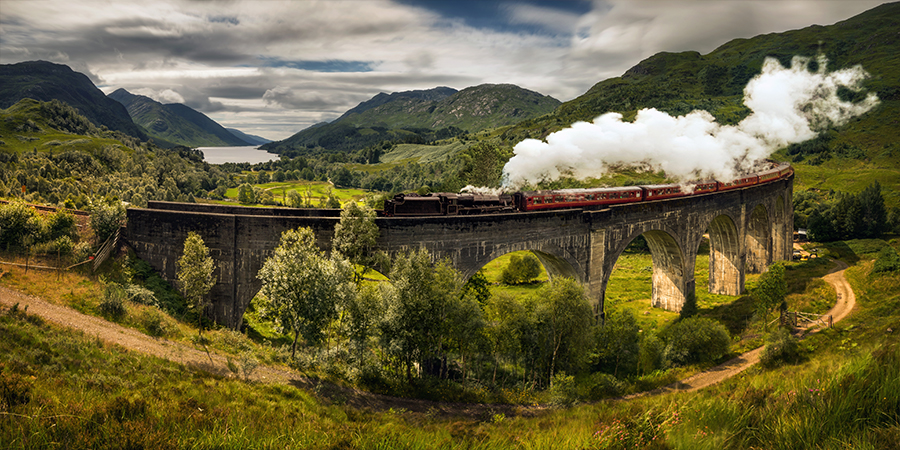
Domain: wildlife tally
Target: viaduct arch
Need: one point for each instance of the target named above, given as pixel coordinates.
(748, 228)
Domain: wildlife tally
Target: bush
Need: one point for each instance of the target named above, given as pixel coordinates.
(887, 261)
(113, 303)
(650, 355)
(19, 226)
(521, 270)
(603, 385)
(82, 251)
(61, 224)
(140, 295)
(563, 390)
(155, 323)
(781, 347)
(14, 390)
(696, 340)
(106, 219)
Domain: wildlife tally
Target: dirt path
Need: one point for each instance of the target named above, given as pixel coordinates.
(846, 301)
(197, 357)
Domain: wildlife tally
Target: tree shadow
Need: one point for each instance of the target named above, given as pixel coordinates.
(736, 315)
(840, 250)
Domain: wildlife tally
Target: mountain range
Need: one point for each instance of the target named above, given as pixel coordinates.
(422, 115)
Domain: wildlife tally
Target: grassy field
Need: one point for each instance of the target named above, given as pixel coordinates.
(68, 390)
(318, 190)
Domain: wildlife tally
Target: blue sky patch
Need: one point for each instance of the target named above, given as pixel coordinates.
(334, 65)
(494, 15)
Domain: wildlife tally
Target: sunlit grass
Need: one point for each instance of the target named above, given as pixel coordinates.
(317, 190)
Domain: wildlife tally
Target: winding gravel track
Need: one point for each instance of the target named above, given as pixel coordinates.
(198, 358)
(846, 301)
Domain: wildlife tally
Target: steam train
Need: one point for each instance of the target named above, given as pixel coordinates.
(444, 203)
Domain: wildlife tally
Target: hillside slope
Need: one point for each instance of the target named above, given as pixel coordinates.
(44, 81)
(678, 83)
(422, 116)
(176, 122)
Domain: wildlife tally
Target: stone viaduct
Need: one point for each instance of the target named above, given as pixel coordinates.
(748, 229)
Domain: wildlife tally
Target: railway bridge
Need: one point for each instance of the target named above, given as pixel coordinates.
(748, 229)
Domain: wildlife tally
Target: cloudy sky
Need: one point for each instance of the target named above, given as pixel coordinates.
(272, 68)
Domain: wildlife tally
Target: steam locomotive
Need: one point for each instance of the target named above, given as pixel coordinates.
(444, 203)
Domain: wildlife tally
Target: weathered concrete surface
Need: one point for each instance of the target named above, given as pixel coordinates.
(748, 229)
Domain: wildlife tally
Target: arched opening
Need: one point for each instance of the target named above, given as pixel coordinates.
(648, 273)
(493, 271)
(757, 241)
(725, 275)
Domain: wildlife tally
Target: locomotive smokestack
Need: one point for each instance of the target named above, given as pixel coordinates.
(788, 105)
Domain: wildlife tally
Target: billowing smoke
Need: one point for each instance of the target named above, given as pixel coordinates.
(787, 105)
(481, 190)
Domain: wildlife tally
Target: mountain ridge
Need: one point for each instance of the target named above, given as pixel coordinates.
(176, 122)
(45, 81)
(417, 116)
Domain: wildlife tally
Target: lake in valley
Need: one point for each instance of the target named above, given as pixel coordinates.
(250, 154)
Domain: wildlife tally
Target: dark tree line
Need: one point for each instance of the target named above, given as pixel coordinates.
(847, 216)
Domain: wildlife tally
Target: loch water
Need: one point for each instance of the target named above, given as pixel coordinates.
(250, 154)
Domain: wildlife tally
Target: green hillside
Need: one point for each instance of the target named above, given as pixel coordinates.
(421, 116)
(175, 122)
(45, 81)
(678, 83)
(63, 159)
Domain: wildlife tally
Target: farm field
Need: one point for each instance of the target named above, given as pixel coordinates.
(317, 190)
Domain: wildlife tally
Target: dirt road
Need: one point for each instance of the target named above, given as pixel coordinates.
(197, 357)
(846, 301)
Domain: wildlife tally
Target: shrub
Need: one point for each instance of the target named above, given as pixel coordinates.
(82, 251)
(521, 270)
(106, 219)
(887, 261)
(14, 390)
(154, 322)
(18, 224)
(61, 224)
(781, 347)
(140, 295)
(603, 385)
(650, 355)
(696, 340)
(563, 390)
(113, 303)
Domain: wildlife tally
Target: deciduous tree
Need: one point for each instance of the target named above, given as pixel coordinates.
(770, 291)
(566, 318)
(302, 288)
(195, 275)
(356, 235)
(521, 269)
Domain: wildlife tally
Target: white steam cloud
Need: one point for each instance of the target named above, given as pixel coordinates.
(787, 104)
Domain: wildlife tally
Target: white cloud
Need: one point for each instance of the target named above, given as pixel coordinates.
(203, 50)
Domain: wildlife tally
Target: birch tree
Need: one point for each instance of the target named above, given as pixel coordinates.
(355, 236)
(195, 275)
